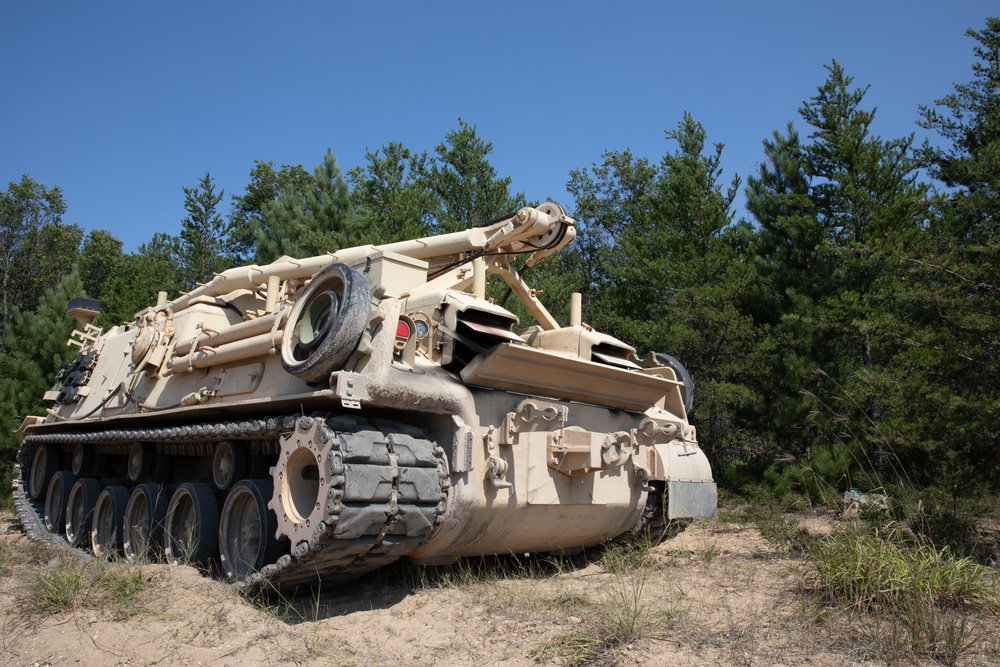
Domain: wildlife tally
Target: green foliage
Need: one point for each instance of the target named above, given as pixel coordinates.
(136, 279)
(835, 216)
(948, 310)
(969, 121)
(949, 519)
(867, 571)
(204, 234)
(904, 597)
(391, 194)
(112, 587)
(246, 211)
(100, 258)
(661, 254)
(402, 194)
(36, 249)
(34, 348)
(467, 190)
(308, 217)
(57, 590)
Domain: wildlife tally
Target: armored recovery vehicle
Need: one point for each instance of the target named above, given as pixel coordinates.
(317, 418)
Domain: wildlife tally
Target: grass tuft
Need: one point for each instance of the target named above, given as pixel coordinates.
(57, 590)
(908, 598)
(859, 569)
(111, 587)
(626, 554)
(622, 618)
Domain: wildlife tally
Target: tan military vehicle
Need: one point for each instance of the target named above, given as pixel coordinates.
(317, 418)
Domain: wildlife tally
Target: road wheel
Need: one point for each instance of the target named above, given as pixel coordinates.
(44, 464)
(247, 530)
(80, 510)
(191, 529)
(56, 499)
(107, 530)
(143, 526)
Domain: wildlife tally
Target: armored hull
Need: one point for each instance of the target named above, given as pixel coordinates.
(317, 418)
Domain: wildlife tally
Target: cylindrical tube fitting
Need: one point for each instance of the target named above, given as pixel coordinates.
(479, 278)
(575, 309)
(273, 284)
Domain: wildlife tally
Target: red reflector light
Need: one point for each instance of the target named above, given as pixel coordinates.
(402, 330)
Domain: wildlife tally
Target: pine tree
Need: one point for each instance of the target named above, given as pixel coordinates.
(34, 347)
(246, 209)
(390, 194)
(309, 218)
(139, 277)
(466, 186)
(835, 217)
(969, 120)
(948, 307)
(204, 233)
(669, 276)
(36, 249)
(100, 260)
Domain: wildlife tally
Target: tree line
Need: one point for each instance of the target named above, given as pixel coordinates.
(842, 334)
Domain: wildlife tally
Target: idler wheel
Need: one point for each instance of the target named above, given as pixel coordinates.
(228, 465)
(191, 529)
(326, 323)
(247, 529)
(307, 484)
(143, 524)
(107, 531)
(55, 500)
(80, 510)
(44, 464)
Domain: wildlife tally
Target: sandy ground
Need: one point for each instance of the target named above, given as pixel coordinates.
(716, 594)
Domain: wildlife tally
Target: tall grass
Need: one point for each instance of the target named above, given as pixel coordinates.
(866, 571)
(907, 597)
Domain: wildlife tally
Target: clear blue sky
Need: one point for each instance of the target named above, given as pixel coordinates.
(121, 104)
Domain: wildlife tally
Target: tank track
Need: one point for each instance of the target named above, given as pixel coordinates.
(366, 525)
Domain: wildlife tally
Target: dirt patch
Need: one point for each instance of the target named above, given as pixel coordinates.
(719, 593)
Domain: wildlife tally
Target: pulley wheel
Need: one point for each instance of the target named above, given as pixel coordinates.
(228, 464)
(140, 460)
